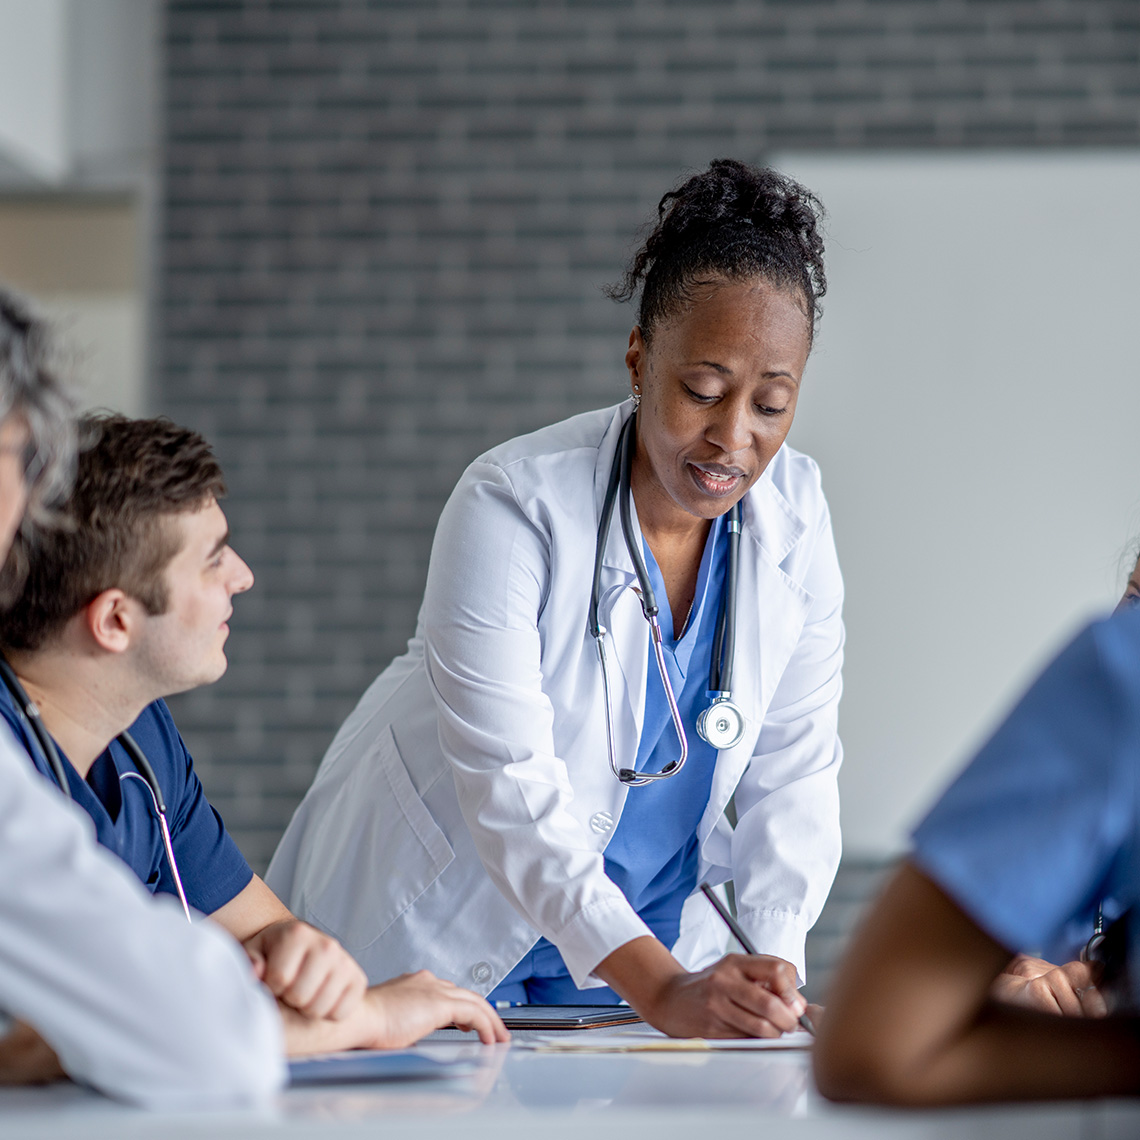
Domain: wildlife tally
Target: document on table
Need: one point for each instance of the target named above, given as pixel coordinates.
(654, 1043)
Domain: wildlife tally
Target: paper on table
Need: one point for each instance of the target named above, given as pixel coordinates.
(651, 1043)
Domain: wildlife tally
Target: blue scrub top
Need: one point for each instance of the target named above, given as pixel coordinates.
(1046, 819)
(213, 869)
(652, 855)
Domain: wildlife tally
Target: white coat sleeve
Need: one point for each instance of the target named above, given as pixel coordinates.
(134, 1001)
(487, 585)
(786, 845)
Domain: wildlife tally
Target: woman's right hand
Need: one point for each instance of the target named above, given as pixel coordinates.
(742, 995)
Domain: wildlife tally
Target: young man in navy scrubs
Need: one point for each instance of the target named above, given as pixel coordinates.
(98, 980)
(126, 603)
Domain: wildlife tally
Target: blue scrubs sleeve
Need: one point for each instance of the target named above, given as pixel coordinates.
(213, 870)
(1033, 831)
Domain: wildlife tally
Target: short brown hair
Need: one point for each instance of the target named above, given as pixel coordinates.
(130, 477)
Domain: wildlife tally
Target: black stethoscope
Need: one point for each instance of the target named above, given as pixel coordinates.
(721, 724)
(1091, 949)
(145, 772)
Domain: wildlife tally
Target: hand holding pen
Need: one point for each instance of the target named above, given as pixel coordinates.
(745, 941)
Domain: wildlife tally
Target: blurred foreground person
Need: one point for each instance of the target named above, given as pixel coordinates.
(1042, 825)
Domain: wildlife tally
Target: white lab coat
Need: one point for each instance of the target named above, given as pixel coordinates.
(464, 807)
(135, 1002)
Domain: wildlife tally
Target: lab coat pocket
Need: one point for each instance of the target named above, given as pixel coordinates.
(378, 850)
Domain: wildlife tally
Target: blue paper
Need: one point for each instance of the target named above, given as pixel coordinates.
(371, 1065)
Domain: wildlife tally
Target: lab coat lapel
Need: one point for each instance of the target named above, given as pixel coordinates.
(770, 613)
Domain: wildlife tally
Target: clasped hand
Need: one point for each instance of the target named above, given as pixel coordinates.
(307, 970)
(325, 1002)
(1069, 989)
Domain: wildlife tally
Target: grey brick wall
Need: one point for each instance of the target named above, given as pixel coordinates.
(385, 229)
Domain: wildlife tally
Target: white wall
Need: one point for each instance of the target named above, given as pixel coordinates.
(77, 93)
(79, 260)
(33, 86)
(974, 402)
(78, 179)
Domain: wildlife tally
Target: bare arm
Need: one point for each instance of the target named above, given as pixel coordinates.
(910, 1021)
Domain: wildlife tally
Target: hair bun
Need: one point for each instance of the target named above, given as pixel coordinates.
(701, 231)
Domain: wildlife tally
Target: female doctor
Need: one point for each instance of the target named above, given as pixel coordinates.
(526, 801)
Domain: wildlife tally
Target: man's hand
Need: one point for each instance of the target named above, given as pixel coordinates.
(394, 1015)
(411, 1006)
(1068, 990)
(307, 970)
(27, 1059)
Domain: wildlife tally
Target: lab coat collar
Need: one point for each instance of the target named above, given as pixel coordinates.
(768, 518)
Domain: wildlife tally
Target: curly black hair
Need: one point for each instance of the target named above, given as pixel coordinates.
(732, 221)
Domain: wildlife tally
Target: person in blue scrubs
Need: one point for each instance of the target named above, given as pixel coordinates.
(1041, 825)
(1069, 988)
(126, 602)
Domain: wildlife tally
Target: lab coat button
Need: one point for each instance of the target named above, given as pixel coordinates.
(481, 972)
(602, 822)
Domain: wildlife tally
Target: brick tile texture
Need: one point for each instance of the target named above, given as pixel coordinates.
(386, 226)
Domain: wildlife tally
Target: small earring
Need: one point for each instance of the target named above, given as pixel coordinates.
(636, 398)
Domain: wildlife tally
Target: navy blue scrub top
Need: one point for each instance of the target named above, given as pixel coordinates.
(213, 869)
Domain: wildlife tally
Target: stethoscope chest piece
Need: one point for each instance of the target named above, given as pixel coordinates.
(721, 724)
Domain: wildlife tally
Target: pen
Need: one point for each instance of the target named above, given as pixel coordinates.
(742, 938)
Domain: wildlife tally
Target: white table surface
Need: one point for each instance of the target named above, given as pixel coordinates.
(517, 1093)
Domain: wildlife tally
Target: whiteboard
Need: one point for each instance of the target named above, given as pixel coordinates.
(974, 402)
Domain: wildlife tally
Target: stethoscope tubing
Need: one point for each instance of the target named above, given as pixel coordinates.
(618, 489)
(137, 757)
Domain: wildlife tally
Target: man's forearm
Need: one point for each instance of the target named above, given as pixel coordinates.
(307, 1035)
